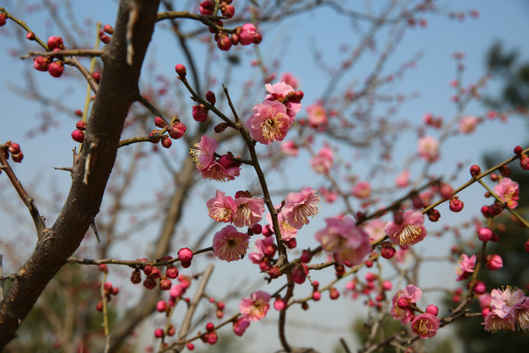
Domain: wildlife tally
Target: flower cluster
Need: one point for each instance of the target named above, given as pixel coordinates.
(404, 306)
(272, 119)
(348, 243)
(508, 191)
(505, 310)
(253, 308)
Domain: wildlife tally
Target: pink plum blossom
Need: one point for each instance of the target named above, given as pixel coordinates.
(255, 307)
(403, 179)
(287, 230)
(375, 230)
(221, 208)
(290, 148)
(410, 231)
(503, 309)
(329, 195)
(249, 211)
(425, 325)
(290, 80)
(229, 244)
(465, 266)
(222, 169)
(522, 312)
(323, 161)
(261, 244)
(429, 148)
(269, 122)
(468, 124)
(317, 115)
(410, 295)
(362, 190)
(281, 92)
(348, 243)
(300, 206)
(508, 191)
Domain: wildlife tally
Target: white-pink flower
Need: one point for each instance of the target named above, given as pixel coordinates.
(410, 231)
(290, 148)
(348, 243)
(376, 230)
(401, 302)
(280, 92)
(255, 307)
(323, 161)
(229, 244)
(290, 80)
(269, 122)
(261, 245)
(468, 124)
(429, 148)
(221, 208)
(249, 211)
(317, 115)
(465, 266)
(403, 179)
(300, 206)
(362, 190)
(222, 169)
(508, 191)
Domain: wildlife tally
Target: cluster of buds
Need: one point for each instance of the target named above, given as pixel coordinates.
(55, 67)
(104, 34)
(154, 273)
(220, 306)
(14, 150)
(373, 289)
(207, 8)
(244, 35)
(175, 130)
(524, 158)
(210, 337)
(109, 292)
(78, 133)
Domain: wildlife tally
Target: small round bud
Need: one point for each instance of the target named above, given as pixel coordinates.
(475, 170)
(180, 70)
(518, 150)
(485, 234)
(80, 125)
(108, 29)
(78, 135)
(432, 309)
(316, 295)
(456, 205)
(210, 97)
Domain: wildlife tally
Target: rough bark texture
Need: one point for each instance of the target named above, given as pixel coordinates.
(118, 89)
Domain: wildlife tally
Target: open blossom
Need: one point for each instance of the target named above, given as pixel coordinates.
(375, 230)
(269, 122)
(222, 169)
(429, 148)
(468, 124)
(261, 244)
(362, 190)
(249, 211)
(255, 307)
(317, 115)
(522, 312)
(410, 295)
(322, 162)
(229, 244)
(465, 266)
(425, 325)
(348, 243)
(410, 231)
(290, 80)
(289, 148)
(508, 191)
(300, 206)
(280, 92)
(403, 179)
(287, 230)
(504, 305)
(221, 208)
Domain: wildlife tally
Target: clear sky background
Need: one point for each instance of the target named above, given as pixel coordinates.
(292, 43)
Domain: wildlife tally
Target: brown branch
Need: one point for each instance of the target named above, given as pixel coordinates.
(65, 52)
(116, 93)
(24, 196)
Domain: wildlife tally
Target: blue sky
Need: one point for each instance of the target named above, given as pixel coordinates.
(292, 43)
